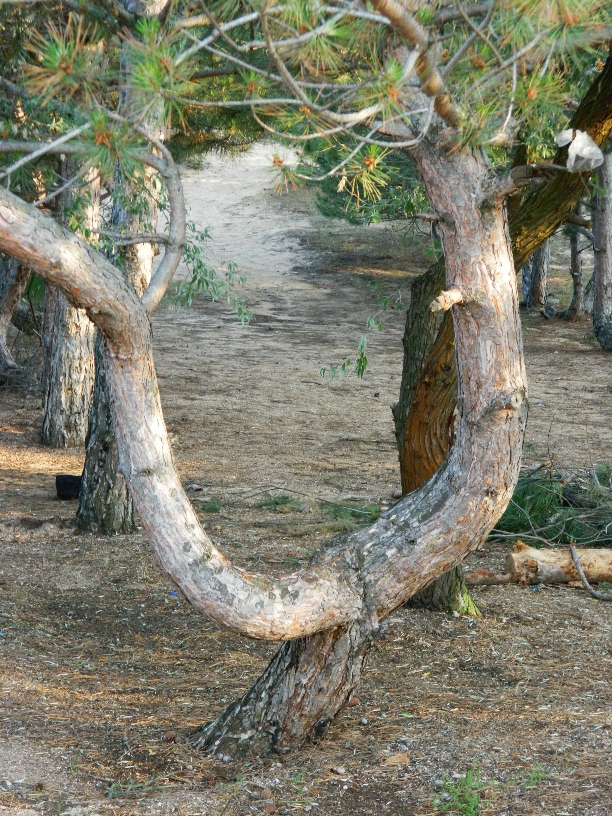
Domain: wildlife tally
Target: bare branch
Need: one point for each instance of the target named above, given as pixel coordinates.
(48, 147)
(129, 238)
(71, 181)
(594, 593)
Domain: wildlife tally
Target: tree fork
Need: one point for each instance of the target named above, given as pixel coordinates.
(374, 570)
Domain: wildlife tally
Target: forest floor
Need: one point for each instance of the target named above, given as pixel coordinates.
(101, 664)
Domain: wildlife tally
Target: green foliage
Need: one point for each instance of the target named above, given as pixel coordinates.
(205, 281)
(547, 509)
(211, 507)
(535, 776)
(135, 787)
(278, 502)
(35, 292)
(68, 62)
(461, 796)
(363, 514)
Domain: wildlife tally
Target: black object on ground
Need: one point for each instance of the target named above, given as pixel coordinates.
(67, 487)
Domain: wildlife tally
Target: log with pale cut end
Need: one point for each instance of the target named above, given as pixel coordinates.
(527, 565)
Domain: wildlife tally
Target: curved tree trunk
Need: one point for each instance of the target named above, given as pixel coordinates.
(602, 246)
(14, 279)
(532, 219)
(265, 716)
(68, 345)
(360, 579)
(424, 420)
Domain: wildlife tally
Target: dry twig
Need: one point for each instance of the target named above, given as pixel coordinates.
(595, 593)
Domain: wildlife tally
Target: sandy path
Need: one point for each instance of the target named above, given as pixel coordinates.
(255, 392)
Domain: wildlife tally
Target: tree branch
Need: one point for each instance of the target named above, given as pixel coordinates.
(417, 37)
(594, 593)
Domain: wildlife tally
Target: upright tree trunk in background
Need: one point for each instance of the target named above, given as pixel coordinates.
(68, 344)
(587, 303)
(535, 277)
(13, 282)
(576, 306)
(602, 267)
(104, 501)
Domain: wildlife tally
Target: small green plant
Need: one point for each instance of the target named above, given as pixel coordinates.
(461, 796)
(362, 514)
(132, 787)
(279, 502)
(212, 507)
(205, 281)
(534, 776)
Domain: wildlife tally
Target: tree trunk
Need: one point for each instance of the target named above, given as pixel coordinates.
(532, 221)
(574, 310)
(68, 372)
(602, 246)
(13, 282)
(527, 565)
(587, 304)
(425, 436)
(305, 685)
(535, 283)
(467, 266)
(105, 503)
(68, 344)
(358, 580)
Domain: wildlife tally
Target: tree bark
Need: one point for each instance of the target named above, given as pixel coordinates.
(532, 221)
(68, 345)
(535, 277)
(105, 503)
(426, 434)
(602, 246)
(465, 271)
(14, 279)
(353, 583)
(527, 565)
(575, 309)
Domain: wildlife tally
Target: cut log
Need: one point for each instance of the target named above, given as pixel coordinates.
(527, 565)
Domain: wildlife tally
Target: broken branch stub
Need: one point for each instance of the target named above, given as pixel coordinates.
(446, 299)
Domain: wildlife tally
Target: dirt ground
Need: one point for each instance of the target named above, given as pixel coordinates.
(101, 665)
